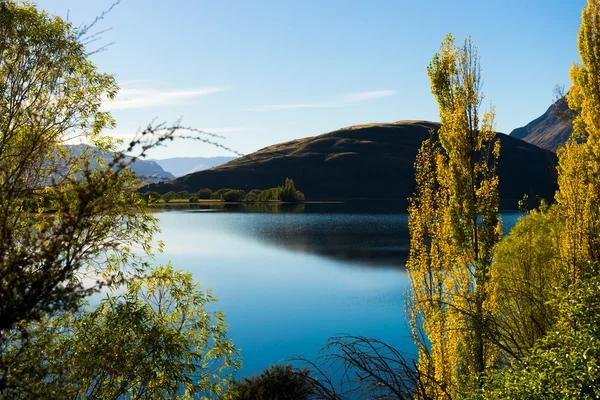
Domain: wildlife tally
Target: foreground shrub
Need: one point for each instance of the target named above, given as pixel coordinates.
(279, 382)
(565, 364)
(526, 272)
(156, 340)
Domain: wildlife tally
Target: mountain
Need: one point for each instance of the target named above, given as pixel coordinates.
(148, 171)
(180, 166)
(372, 161)
(550, 130)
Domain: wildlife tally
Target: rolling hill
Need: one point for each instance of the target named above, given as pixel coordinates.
(373, 161)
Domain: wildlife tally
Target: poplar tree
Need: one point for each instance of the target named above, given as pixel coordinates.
(579, 159)
(454, 227)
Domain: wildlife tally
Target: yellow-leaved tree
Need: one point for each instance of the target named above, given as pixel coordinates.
(579, 159)
(556, 324)
(454, 228)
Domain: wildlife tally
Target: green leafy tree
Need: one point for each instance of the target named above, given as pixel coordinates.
(233, 195)
(218, 195)
(169, 196)
(58, 216)
(156, 340)
(253, 195)
(68, 225)
(204, 194)
(526, 271)
(289, 193)
(268, 194)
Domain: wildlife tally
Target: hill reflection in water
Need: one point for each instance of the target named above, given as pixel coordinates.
(366, 233)
(288, 278)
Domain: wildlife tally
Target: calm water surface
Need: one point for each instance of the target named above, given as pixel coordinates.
(289, 279)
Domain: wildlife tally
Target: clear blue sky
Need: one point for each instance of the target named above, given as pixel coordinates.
(266, 71)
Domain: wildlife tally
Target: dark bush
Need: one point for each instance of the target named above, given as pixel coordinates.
(204, 194)
(279, 382)
(183, 194)
(289, 193)
(218, 195)
(268, 194)
(233, 195)
(253, 195)
(167, 197)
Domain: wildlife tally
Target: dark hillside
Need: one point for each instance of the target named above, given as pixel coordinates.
(371, 161)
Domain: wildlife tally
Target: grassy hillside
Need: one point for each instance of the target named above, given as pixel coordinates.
(371, 161)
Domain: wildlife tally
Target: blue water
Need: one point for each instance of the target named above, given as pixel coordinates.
(287, 281)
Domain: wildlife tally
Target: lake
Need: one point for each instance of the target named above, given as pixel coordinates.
(288, 278)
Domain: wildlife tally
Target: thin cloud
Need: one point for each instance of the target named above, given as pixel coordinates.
(273, 107)
(133, 82)
(371, 95)
(149, 98)
(341, 101)
(226, 129)
(128, 135)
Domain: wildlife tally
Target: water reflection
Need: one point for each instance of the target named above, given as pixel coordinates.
(287, 280)
(370, 234)
(329, 207)
(270, 208)
(368, 240)
(365, 239)
(280, 303)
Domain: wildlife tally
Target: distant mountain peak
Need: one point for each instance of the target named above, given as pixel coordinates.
(180, 166)
(146, 170)
(551, 130)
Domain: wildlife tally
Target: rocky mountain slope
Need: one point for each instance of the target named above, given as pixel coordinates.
(551, 129)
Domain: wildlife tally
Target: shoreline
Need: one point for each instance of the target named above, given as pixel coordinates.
(218, 203)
